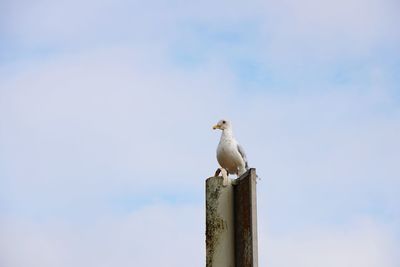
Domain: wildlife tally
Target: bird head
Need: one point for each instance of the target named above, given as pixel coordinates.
(222, 125)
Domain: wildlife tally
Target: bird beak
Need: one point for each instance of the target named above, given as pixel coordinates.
(216, 126)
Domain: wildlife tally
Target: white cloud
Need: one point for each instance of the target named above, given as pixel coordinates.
(362, 243)
(155, 236)
(98, 122)
(173, 236)
(78, 131)
(91, 124)
(85, 127)
(104, 114)
(288, 30)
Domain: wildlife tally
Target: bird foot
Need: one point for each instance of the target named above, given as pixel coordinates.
(224, 175)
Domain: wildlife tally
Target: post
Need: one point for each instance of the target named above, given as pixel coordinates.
(220, 248)
(231, 221)
(245, 199)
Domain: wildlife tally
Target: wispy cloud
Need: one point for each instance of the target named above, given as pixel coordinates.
(361, 243)
(105, 138)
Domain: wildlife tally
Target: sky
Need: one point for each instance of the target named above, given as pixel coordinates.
(106, 109)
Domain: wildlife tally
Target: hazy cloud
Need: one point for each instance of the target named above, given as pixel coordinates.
(105, 129)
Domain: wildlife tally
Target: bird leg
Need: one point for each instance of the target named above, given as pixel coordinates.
(224, 174)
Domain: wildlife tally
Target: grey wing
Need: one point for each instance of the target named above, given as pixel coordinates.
(241, 152)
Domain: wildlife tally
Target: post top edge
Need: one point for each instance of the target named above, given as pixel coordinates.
(250, 172)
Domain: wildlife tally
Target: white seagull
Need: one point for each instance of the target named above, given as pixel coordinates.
(230, 154)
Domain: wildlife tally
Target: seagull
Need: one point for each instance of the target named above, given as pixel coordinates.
(230, 154)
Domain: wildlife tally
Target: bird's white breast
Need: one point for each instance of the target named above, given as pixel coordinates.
(228, 156)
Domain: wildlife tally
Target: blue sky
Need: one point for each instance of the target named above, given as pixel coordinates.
(106, 111)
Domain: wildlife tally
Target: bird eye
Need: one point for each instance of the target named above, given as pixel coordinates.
(224, 122)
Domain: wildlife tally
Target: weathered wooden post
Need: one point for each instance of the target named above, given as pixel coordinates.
(245, 210)
(231, 221)
(220, 233)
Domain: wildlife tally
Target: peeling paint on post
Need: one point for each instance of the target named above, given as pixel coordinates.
(220, 247)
